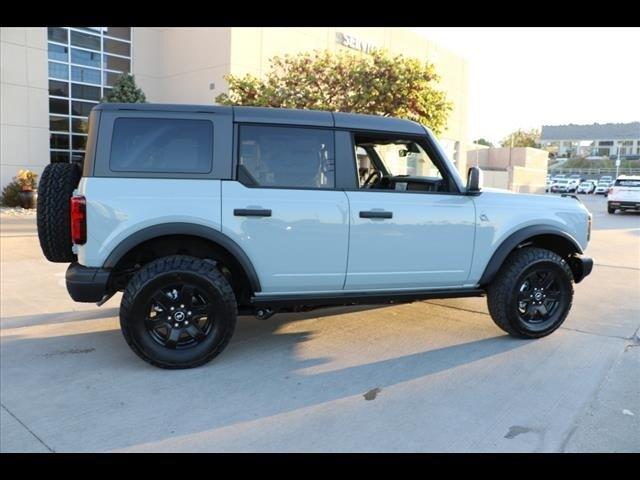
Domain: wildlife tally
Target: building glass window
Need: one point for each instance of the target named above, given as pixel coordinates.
(59, 156)
(119, 48)
(59, 106)
(79, 142)
(57, 34)
(84, 40)
(79, 55)
(81, 109)
(58, 124)
(117, 63)
(85, 92)
(79, 125)
(58, 89)
(58, 52)
(119, 32)
(58, 70)
(85, 75)
(83, 57)
(59, 141)
(110, 78)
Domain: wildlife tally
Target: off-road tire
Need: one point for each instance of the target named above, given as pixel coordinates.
(53, 213)
(168, 270)
(502, 292)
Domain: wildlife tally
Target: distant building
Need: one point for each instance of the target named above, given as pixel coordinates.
(601, 140)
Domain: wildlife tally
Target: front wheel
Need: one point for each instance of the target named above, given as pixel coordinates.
(178, 312)
(532, 293)
(611, 209)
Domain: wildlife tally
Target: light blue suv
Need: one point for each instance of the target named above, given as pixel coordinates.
(201, 213)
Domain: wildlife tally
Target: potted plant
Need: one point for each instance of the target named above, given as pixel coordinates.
(28, 193)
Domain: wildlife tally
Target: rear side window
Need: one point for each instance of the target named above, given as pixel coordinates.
(286, 157)
(161, 145)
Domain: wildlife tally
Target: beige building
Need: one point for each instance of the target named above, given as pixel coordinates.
(52, 77)
(519, 169)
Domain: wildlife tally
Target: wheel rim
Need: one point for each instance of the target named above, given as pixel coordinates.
(539, 296)
(179, 316)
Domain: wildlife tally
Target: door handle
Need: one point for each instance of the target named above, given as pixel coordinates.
(252, 212)
(376, 214)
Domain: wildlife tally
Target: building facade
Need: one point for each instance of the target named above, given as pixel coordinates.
(600, 140)
(52, 77)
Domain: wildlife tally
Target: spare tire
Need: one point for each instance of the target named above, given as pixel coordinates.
(54, 217)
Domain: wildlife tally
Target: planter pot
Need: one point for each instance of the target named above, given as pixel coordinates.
(28, 198)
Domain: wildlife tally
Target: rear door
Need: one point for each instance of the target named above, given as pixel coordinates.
(283, 208)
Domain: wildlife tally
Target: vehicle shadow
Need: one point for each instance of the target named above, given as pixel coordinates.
(57, 317)
(261, 374)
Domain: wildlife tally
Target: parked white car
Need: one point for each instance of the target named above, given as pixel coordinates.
(564, 185)
(606, 178)
(625, 194)
(586, 187)
(602, 188)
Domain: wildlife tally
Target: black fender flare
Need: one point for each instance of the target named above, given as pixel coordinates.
(515, 239)
(179, 228)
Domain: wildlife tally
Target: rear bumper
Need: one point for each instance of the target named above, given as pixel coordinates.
(581, 266)
(619, 204)
(86, 284)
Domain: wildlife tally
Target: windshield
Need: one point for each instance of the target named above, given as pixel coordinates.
(406, 158)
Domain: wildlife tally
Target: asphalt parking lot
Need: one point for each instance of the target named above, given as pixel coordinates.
(427, 376)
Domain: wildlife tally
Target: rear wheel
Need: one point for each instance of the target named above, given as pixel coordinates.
(610, 209)
(178, 312)
(532, 293)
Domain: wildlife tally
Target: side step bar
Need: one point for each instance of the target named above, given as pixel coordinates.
(361, 298)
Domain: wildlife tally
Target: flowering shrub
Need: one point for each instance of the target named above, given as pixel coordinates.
(27, 179)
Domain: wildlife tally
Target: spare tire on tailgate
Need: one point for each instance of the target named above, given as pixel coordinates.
(54, 217)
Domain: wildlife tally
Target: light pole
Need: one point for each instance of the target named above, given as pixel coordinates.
(618, 160)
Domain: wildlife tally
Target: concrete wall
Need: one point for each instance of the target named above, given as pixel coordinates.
(520, 169)
(24, 101)
(181, 65)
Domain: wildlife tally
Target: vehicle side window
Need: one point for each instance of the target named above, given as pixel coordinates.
(393, 163)
(161, 145)
(286, 157)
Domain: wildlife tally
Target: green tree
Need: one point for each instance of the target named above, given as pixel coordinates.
(522, 138)
(378, 84)
(483, 141)
(125, 90)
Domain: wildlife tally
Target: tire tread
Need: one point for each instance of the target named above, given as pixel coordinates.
(169, 264)
(505, 279)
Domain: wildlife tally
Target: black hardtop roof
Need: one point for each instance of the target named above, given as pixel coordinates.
(283, 116)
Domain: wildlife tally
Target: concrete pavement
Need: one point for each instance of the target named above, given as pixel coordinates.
(427, 376)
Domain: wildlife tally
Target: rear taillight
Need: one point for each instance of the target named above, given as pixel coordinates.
(79, 220)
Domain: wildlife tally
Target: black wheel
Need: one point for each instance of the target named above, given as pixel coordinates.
(178, 312)
(532, 293)
(611, 209)
(53, 213)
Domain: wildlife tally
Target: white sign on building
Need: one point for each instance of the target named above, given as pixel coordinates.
(354, 43)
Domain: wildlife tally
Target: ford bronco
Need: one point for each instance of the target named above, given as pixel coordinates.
(201, 213)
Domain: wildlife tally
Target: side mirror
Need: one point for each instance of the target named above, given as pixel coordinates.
(474, 180)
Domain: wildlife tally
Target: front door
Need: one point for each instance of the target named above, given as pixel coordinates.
(410, 227)
(284, 211)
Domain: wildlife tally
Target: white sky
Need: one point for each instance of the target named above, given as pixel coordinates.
(526, 77)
